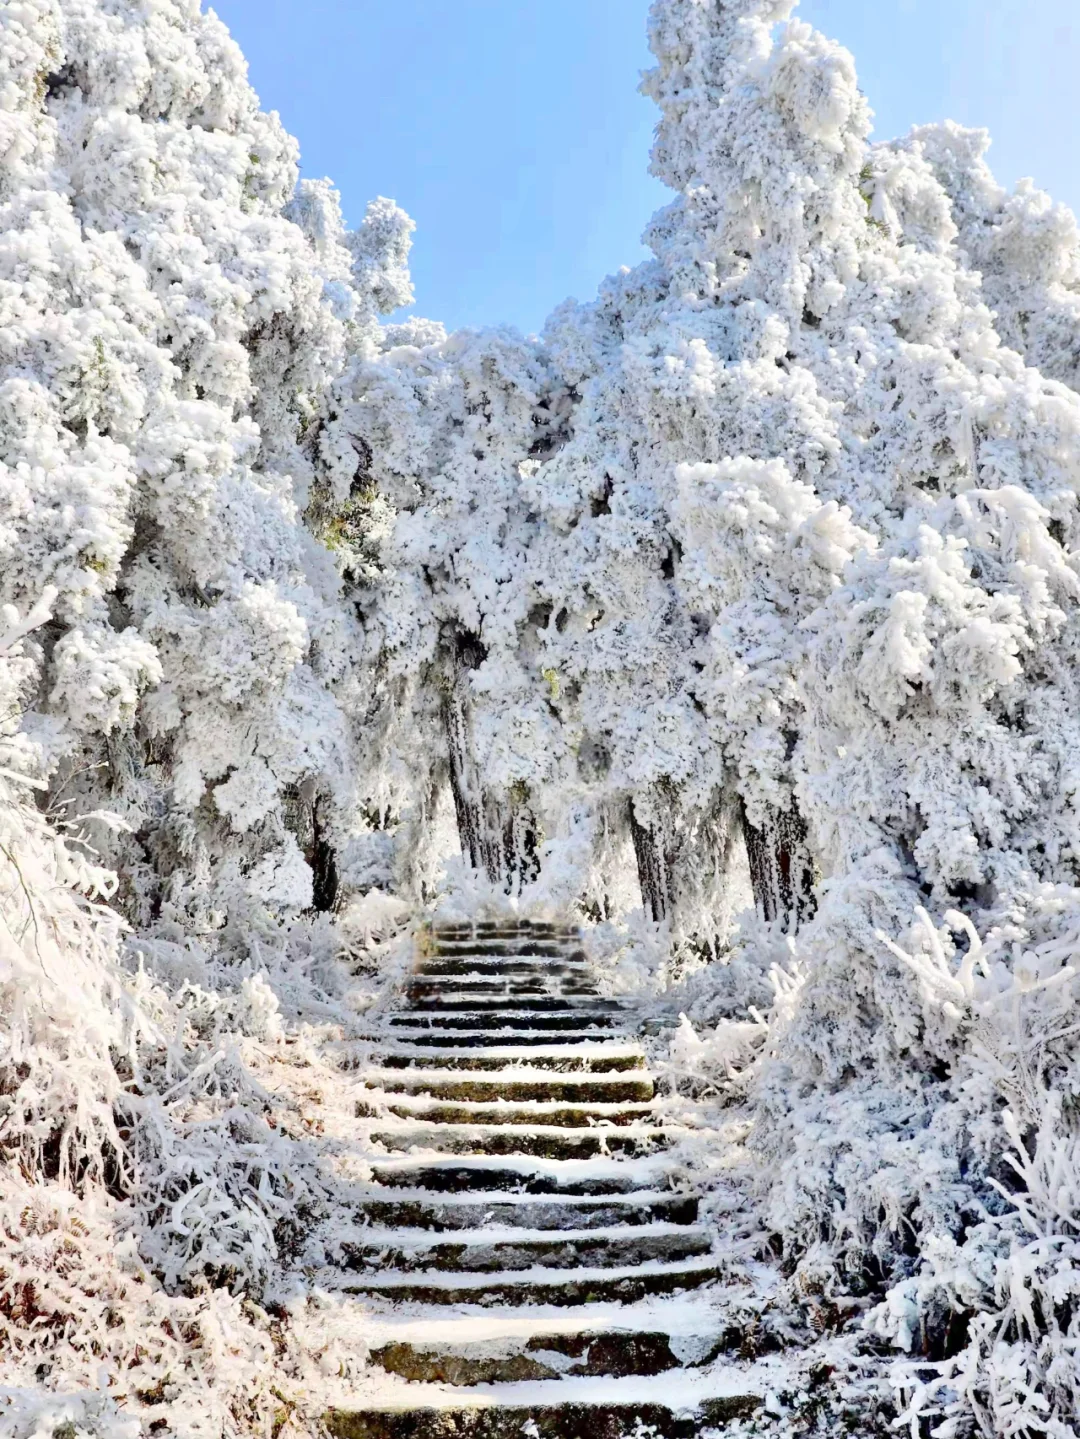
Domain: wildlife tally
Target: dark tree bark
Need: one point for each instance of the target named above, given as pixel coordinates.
(653, 866)
(323, 861)
(467, 805)
(683, 857)
(781, 866)
(498, 834)
(305, 817)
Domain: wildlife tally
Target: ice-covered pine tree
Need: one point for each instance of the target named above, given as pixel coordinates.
(175, 310)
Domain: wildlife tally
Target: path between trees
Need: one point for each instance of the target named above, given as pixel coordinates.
(527, 1254)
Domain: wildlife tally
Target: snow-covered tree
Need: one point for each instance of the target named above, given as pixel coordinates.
(176, 310)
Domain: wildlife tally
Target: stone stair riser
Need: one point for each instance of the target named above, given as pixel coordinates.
(504, 1023)
(497, 1005)
(507, 1258)
(498, 1039)
(564, 1421)
(570, 1293)
(488, 967)
(533, 1144)
(488, 1064)
(449, 1113)
(585, 1091)
(546, 1213)
(548, 1356)
(512, 948)
(450, 1178)
(404, 1058)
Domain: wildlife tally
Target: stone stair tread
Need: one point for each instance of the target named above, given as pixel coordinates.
(514, 1003)
(506, 1141)
(683, 1316)
(451, 1086)
(593, 1113)
(534, 1038)
(526, 1073)
(440, 1212)
(509, 1026)
(597, 1047)
(482, 1131)
(511, 966)
(532, 947)
(559, 1174)
(529, 985)
(494, 966)
(629, 1058)
(456, 1039)
(541, 1276)
(417, 1013)
(497, 1196)
(494, 1234)
(564, 1408)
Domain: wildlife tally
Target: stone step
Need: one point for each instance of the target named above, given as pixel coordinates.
(418, 1209)
(523, 1175)
(559, 1061)
(506, 1020)
(535, 1113)
(537, 1418)
(533, 1286)
(514, 1085)
(451, 1002)
(542, 1142)
(510, 968)
(520, 1344)
(505, 926)
(547, 1357)
(497, 986)
(497, 1039)
(546, 948)
(491, 1250)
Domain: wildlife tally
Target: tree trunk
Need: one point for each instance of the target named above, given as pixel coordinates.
(654, 862)
(323, 862)
(467, 803)
(498, 835)
(781, 867)
(305, 818)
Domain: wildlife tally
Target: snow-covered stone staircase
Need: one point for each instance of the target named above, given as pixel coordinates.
(527, 1254)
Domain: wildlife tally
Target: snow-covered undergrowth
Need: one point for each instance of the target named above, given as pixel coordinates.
(753, 581)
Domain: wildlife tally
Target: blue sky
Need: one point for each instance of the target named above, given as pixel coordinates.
(512, 132)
